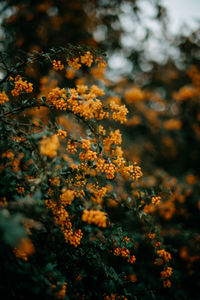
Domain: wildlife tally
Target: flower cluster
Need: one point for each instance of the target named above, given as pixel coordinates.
(101, 63)
(71, 147)
(20, 190)
(164, 255)
(99, 70)
(88, 155)
(101, 130)
(152, 236)
(49, 146)
(74, 63)
(61, 294)
(173, 124)
(57, 97)
(70, 73)
(81, 89)
(46, 85)
(55, 181)
(133, 95)
(109, 169)
(115, 138)
(103, 167)
(57, 65)
(98, 192)
(86, 144)
(119, 112)
(24, 249)
(156, 200)
(85, 105)
(124, 252)
(67, 197)
(87, 59)
(3, 202)
(165, 276)
(61, 133)
(185, 92)
(95, 91)
(163, 259)
(21, 86)
(3, 98)
(62, 218)
(95, 216)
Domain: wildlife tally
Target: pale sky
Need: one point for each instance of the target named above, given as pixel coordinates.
(183, 11)
(180, 12)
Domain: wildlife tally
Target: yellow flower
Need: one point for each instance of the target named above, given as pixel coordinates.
(156, 200)
(20, 190)
(24, 249)
(95, 216)
(164, 254)
(134, 95)
(71, 147)
(166, 273)
(57, 97)
(87, 59)
(49, 146)
(173, 124)
(167, 283)
(74, 63)
(67, 197)
(70, 73)
(85, 144)
(3, 98)
(61, 133)
(21, 86)
(124, 252)
(62, 292)
(55, 181)
(57, 65)
(109, 169)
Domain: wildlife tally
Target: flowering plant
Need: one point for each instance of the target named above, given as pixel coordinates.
(67, 173)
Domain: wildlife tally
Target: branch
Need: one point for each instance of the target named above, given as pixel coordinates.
(15, 111)
(30, 58)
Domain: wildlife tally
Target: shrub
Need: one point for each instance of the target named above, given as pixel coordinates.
(71, 220)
